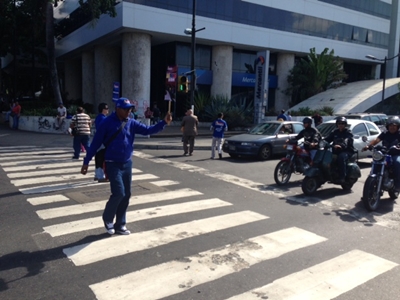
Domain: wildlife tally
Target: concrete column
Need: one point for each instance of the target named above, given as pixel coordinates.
(73, 79)
(107, 70)
(88, 77)
(136, 59)
(376, 71)
(284, 63)
(394, 40)
(222, 59)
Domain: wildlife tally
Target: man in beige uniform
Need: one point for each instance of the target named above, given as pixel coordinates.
(189, 128)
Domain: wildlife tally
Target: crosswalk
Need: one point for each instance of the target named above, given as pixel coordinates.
(35, 172)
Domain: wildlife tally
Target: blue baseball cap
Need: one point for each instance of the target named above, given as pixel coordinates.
(124, 103)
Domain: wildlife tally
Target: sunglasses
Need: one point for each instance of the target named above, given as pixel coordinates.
(340, 123)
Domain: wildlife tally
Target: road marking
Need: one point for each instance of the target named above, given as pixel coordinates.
(110, 247)
(386, 220)
(16, 163)
(327, 280)
(137, 215)
(68, 178)
(50, 164)
(41, 153)
(78, 209)
(249, 184)
(47, 199)
(29, 157)
(179, 275)
(164, 182)
(74, 170)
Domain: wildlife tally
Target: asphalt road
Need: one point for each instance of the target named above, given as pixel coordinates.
(201, 229)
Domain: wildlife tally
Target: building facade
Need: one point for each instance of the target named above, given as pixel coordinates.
(136, 47)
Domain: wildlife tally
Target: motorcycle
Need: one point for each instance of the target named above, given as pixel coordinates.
(380, 178)
(296, 161)
(325, 170)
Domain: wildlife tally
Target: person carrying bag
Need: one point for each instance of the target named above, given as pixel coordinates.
(100, 155)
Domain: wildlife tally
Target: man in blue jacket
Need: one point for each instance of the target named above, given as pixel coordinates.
(118, 158)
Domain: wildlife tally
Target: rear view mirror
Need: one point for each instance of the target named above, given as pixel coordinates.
(364, 138)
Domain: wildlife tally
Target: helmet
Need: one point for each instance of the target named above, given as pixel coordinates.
(341, 120)
(307, 120)
(393, 120)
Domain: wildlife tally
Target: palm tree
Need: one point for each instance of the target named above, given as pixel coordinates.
(314, 74)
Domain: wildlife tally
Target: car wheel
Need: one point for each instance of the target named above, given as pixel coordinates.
(265, 152)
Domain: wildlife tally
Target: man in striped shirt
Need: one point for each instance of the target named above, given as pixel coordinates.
(82, 123)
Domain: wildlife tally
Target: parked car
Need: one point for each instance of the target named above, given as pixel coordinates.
(377, 118)
(359, 128)
(263, 140)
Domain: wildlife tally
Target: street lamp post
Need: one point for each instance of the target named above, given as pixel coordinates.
(384, 60)
(192, 72)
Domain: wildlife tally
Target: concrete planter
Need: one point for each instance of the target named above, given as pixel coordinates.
(44, 124)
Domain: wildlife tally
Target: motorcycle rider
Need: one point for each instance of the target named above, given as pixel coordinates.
(311, 136)
(391, 139)
(342, 142)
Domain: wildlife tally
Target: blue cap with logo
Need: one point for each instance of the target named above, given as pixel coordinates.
(124, 103)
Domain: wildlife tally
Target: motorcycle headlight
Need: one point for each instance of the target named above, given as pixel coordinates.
(378, 155)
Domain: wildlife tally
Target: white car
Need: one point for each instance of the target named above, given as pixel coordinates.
(359, 128)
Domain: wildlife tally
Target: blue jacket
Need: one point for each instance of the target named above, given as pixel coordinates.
(98, 120)
(121, 147)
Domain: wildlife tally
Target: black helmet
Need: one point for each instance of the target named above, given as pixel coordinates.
(307, 120)
(393, 120)
(341, 120)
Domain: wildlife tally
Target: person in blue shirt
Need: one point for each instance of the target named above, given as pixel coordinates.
(219, 126)
(118, 160)
(282, 115)
(99, 157)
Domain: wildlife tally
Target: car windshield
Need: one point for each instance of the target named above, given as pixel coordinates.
(265, 129)
(326, 128)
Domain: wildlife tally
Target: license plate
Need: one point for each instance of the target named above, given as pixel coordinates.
(289, 147)
(233, 148)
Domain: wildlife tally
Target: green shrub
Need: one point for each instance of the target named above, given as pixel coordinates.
(235, 115)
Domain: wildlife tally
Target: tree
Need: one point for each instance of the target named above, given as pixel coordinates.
(314, 74)
(22, 18)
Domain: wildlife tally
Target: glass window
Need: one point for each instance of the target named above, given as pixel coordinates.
(360, 130)
(376, 120)
(298, 127)
(372, 129)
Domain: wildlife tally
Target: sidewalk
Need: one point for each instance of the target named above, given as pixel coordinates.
(169, 138)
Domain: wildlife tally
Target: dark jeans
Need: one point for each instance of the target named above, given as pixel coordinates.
(78, 140)
(188, 139)
(120, 176)
(15, 122)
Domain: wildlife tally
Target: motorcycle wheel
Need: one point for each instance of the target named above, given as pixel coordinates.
(393, 194)
(371, 195)
(282, 172)
(309, 185)
(347, 186)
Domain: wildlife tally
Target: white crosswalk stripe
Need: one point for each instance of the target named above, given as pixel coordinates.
(99, 205)
(137, 215)
(64, 220)
(174, 277)
(102, 249)
(326, 280)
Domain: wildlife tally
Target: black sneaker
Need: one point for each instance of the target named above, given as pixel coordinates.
(123, 230)
(73, 157)
(220, 155)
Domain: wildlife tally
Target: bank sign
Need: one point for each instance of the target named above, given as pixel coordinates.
(261, 87)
